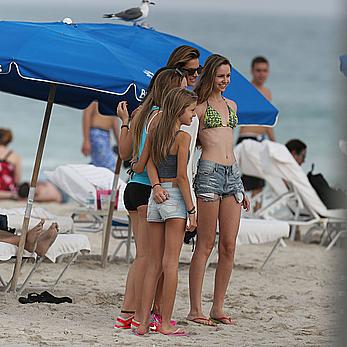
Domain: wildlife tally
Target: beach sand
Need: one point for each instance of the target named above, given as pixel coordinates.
(292, 302)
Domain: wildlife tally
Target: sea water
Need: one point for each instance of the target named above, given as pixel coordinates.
(305, 81)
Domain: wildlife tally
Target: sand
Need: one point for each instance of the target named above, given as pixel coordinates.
(292, 302)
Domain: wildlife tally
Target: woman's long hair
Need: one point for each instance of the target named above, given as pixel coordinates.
(204, 86)
(164, 81)
(5, 136)
(181, 55)
(163, 136)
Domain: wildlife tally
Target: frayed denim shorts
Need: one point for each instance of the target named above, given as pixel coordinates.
(214, 181)
(174, 207)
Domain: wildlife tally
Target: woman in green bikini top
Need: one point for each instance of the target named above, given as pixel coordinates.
(213, 119)
(218, 189)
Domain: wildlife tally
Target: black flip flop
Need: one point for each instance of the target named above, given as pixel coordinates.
(44, 297)
(32, 297)
(51, 299)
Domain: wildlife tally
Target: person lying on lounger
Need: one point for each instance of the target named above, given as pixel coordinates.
(45, 192)
(37, 239)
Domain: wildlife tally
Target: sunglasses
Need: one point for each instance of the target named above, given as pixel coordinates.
(191, 72)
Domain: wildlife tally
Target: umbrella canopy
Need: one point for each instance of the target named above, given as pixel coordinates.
(110, 62)
(343, 64)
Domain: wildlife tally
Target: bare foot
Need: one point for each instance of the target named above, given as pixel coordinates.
(142, 330)
(33, 235)
(46, 239)
(222, 318)
(201, 319)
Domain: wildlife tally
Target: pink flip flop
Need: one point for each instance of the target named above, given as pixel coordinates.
(177, 332)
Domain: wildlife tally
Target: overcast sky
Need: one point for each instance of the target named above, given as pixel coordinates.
(10, 8)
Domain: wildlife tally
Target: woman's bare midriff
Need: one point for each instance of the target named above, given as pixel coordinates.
(102, 122)
(217, 145)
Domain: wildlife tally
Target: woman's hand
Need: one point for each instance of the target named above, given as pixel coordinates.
(160, 194)
(191, 222)
(246, 204)
(122, 112)
(86, 148)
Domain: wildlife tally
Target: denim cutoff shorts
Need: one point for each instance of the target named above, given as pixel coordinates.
(174, 207)
(214, 181)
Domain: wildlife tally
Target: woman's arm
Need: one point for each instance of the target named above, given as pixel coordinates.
(86, 124)
(18, 169)
(159, 193)
(125, 138)
(116, 130)
(270, 133)
(140, 165)
(183, 140)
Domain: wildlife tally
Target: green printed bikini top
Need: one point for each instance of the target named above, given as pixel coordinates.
(213, 119)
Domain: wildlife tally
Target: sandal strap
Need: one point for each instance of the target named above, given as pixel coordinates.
(125, 321)
(126, 311)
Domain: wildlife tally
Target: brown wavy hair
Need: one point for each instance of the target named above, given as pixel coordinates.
(163, 136)
(5, 136)
(181, 55)
(166, 79)
(205, 83)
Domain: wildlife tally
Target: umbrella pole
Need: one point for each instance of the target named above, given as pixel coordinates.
(107, 230)
(30, 200)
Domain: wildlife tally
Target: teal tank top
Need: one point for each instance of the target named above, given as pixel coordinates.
(142, 177)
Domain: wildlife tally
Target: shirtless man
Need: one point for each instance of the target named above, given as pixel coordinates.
(260, 73)
(96, 136)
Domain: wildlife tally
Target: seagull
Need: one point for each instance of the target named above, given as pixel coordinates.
(134, 14)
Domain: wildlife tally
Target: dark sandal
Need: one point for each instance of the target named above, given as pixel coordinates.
(32, 297)
(51, 299)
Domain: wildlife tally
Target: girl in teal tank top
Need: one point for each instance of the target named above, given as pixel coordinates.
(138, 189)
(143, 177)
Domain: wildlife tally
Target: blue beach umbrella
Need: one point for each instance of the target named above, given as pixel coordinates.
(74, 64)
(343, 64)
(104, 62)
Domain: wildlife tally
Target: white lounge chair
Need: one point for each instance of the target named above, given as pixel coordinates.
(15, 218)
(78, 180)
(299, 201)
(65, 244)
(258, 231)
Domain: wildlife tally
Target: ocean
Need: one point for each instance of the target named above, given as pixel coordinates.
(305, 80)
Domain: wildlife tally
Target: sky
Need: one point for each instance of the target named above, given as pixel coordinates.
(16, 9)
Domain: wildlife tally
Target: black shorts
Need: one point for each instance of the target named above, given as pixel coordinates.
(251, 182)
(135, 195)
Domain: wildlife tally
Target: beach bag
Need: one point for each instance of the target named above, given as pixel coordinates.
(331, 197)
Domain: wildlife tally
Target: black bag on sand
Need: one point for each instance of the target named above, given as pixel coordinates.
(332, 198)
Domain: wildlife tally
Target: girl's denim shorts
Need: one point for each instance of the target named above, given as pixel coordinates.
(174, 207)
(214, 181)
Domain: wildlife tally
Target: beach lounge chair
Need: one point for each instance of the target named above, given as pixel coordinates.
(81, 180)
(15, 219)
(295, 202)
(258, 231)
(64, 245)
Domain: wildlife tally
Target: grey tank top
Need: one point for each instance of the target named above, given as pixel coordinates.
(168, 167)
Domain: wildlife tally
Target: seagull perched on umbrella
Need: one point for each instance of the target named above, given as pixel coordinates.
(134, 14)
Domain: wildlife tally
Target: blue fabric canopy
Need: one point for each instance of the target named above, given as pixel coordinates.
(104, 62)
